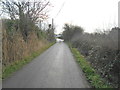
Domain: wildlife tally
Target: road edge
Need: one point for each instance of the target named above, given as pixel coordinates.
(17, 65)
(92, 77)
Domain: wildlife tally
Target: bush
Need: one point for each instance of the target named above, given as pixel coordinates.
(95, 80)
(101, 50)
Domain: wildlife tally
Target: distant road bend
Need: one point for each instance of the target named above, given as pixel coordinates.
(55, 68)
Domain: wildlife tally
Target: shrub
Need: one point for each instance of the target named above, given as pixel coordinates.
(101, 50)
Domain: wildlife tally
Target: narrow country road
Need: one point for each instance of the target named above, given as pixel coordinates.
(55, 68)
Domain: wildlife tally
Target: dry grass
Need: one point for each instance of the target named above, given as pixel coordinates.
(18, 64)
(15, 48)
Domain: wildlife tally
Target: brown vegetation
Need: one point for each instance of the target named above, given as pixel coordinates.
(21, 35)
(15, 48)
(100, 49)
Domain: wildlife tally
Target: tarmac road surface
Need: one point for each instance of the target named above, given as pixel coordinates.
(55, 68)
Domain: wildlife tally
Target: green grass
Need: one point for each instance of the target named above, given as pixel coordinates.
(8, 70)
(95, 80)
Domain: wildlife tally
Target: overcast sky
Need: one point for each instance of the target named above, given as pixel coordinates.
(89, 14)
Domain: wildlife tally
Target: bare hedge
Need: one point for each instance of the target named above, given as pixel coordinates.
(100, 49)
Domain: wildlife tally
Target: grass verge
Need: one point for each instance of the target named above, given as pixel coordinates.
(8, 70)
(95, 80)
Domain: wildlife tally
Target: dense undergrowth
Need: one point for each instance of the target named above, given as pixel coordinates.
(94, 79)
(100, 49)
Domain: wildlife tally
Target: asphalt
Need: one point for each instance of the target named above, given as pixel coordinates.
(55, 68)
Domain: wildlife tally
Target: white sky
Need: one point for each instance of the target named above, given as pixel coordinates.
(89, 14)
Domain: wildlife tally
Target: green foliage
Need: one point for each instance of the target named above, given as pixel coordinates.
(95, 80)
(41, 34)
(16, 65)
(71, 31)
(13, 26)
(27, 13)
(51, 35)
(10, 26)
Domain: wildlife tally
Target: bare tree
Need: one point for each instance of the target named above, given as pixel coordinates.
(26, 12)
(31, 10)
